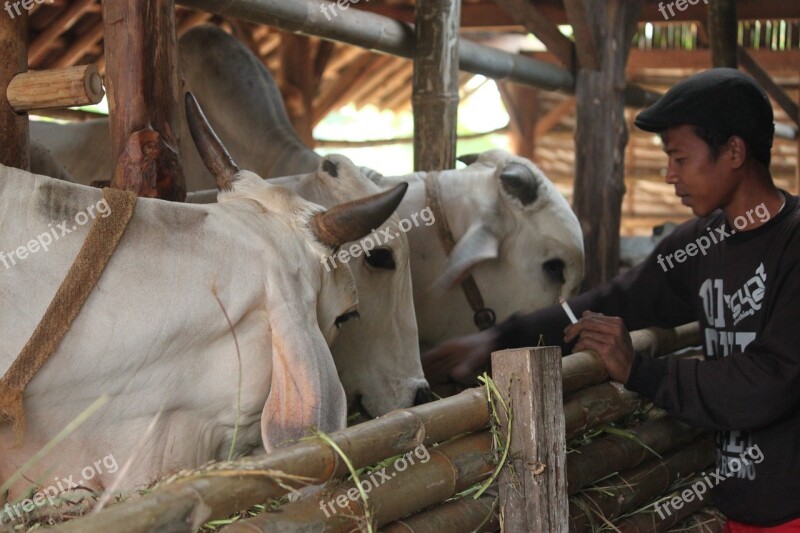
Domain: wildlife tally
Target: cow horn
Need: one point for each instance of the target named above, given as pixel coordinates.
(353, 220)
(214, 155)
(468, 159)
(520, 182)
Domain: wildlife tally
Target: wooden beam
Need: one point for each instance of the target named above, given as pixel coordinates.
(533, 485)
(14, 135)
(44, 42)
(322, 59)
(80, 47)
(531, 17)
(373, 93)
(773, 89)
(722, 33)
(373, 79)
(191, 20)
(55, 89)
(339, 93)
(585, 39)
(141, 47)
(601, 136)
(787, 62)
(553, 117)
(296, 82)
(435, 83)
(396, 82)
(522, 105)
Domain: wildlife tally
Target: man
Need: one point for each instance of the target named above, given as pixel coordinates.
(735, 268)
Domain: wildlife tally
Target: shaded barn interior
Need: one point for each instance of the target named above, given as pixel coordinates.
(318, 76)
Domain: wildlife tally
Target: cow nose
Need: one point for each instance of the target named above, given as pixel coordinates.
(423, 395)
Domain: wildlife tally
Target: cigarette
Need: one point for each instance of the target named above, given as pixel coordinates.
(568, 310)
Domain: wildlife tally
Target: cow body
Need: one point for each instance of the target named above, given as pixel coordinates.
(153, 337)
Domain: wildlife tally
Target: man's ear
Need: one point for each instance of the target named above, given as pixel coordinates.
(737, 151)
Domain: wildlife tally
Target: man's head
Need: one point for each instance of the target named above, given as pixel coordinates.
(717, 128)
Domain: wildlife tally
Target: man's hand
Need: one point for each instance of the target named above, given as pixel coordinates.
(608, 336)
(460, 359)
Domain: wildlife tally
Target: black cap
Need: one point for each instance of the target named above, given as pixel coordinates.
(720, 98)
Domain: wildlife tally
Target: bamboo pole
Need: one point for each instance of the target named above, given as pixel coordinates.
(450, 468)
(597, 405)
(582, 369)
(634, 488)
(14, 135)
(55, 89)
(214, 494)
(465, 514)
(616, 453)
(435, 83)
(648, 520)
(533, 486)
(376, 32)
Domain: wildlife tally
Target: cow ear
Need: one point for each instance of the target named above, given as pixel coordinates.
(468, 159)
(305, 390)
(478, 244)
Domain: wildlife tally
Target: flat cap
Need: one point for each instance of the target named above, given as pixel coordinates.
(721, 98)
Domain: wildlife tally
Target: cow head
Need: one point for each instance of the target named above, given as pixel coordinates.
(377, 357)
(304, 388)
(515, 233)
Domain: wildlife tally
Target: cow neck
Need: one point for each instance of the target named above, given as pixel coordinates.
(483, 317)
(84, 273)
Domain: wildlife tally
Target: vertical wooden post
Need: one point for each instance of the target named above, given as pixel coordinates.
(141, 50)
(601, 136)
(722, 33)
(522, 104)
(14, 136)
(297, 83)
(533, 493)
(435, 83)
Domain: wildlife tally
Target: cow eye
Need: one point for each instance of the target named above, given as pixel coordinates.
(554, 270)
(344, 318)
(381, 258)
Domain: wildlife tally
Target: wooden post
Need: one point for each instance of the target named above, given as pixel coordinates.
(14, 136)
(522, 104)
(601, 136)
(296, 81)
(533, 496)
(143, 94)
(722, 33)
(435, 83)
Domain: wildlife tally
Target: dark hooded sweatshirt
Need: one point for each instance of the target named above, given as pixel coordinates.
(744, 288)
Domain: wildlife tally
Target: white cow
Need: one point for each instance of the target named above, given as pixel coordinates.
(514, 233)
(537, 244)
(152, 335)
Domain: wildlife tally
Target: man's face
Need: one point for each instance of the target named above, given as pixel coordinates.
(701, 182)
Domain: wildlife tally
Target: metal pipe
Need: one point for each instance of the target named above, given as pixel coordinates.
(376, 32)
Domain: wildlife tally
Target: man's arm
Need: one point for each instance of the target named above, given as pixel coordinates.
(745, 390)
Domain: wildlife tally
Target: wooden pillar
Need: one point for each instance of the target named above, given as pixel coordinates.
(14, 136)
(435, 83)
(533, 495)
(297, 83)
(143, 97)
(722, 33)
(601, 136)
(522, 104)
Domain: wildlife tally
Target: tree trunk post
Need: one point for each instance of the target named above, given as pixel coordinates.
(141, 49)
(14, 136)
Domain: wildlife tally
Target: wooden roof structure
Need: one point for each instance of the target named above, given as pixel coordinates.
(321, 75)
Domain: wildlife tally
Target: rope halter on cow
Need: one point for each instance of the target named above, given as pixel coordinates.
(101, 241)
(483, 316)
